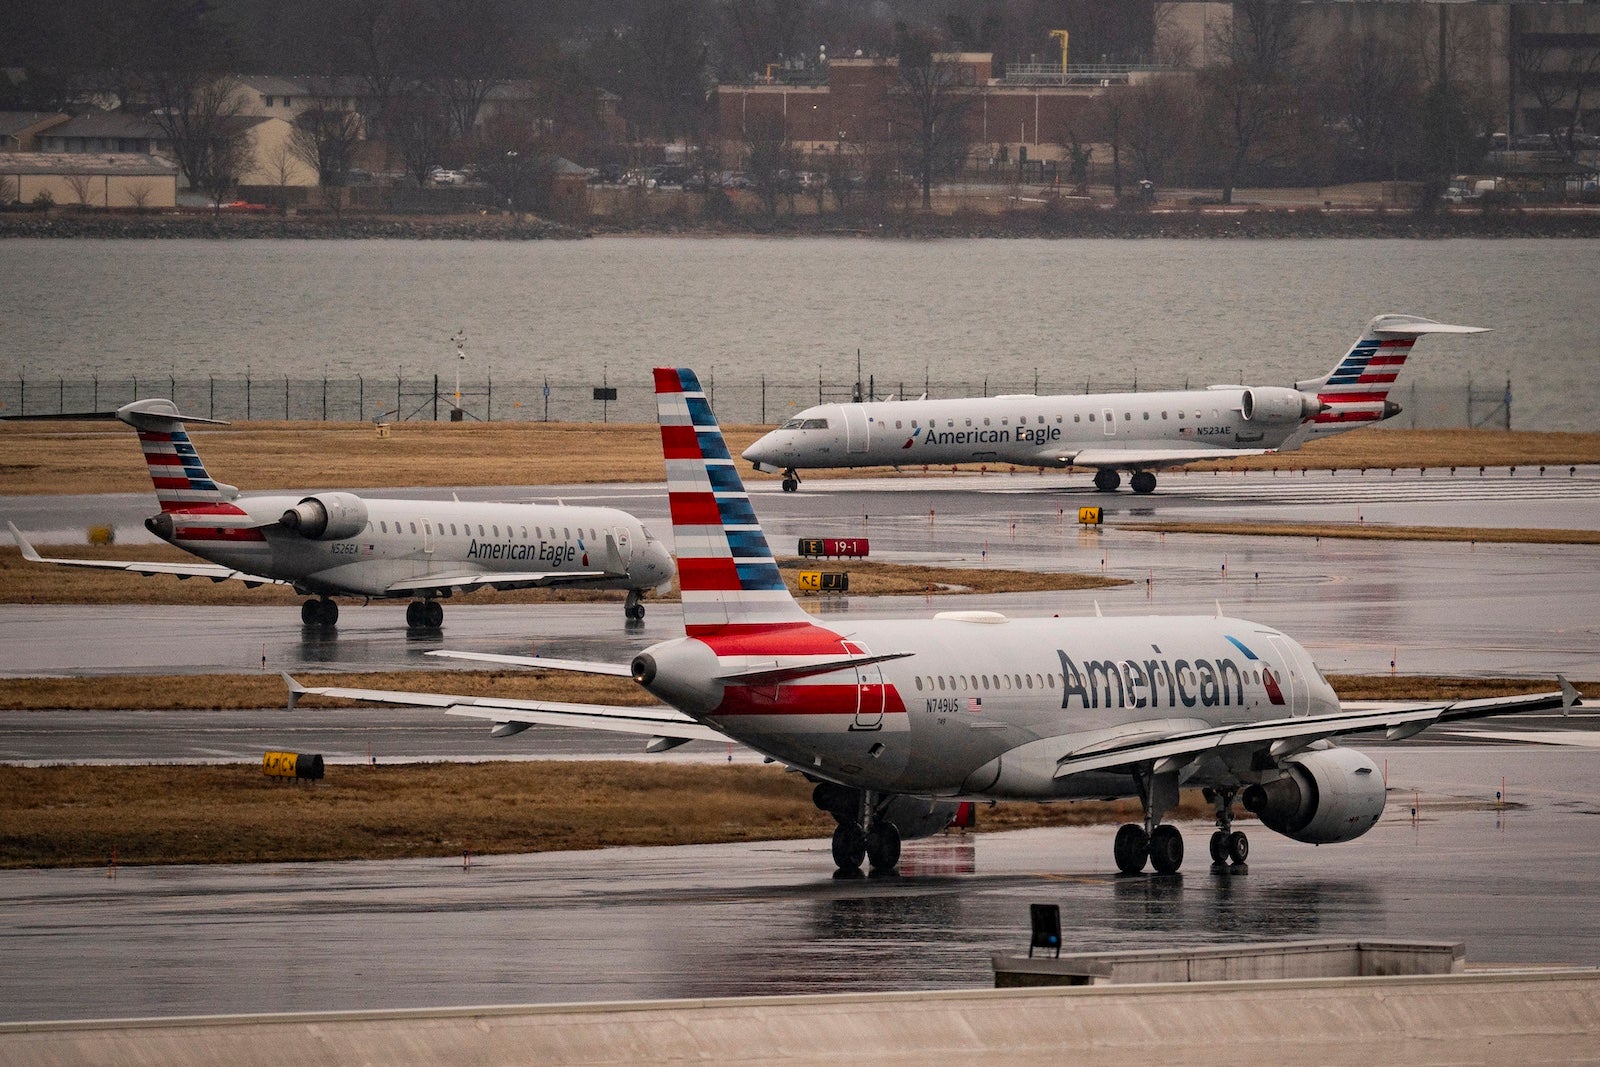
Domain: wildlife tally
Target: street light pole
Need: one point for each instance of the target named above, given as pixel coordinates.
(511, 162)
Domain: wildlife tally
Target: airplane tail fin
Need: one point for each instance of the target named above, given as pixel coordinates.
(726, 570)
(1356, 392)
(181, 480)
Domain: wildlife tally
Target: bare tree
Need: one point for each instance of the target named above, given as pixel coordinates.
(139, 194)
(1250, 92)
(1554, 69)
(419, 130)
(468, 49)
(324, 138)
(281, 165)
(81, 184)
(8, 189)
(199, 115)
(927, 110)
(1368, 88)
(769, 158)
(1160, 120)
(1109, 119)
(228, 158)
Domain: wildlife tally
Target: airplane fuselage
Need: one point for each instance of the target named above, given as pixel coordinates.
(961, 717)
(409, 540)
(1044, 431)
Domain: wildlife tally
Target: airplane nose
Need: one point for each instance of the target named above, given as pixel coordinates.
(657, 566)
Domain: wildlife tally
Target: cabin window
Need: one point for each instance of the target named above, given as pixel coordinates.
(496, 530)
(919, 683)
(413, 527)
(1091, 416)
(480, 529)
(969, 422)
(566, 532)
(1180, 415)
(1041, 420)
(962, 680)
(941, 683)
(1163, 414)
(986, 422)
(986, 681)
(974, 683)
(1058, 420)
(1005, 681)
(384, 527)
(1027, 681)
(1127, 416)
(897, 424)
(1147, 416)
(452, 529)
(913, 424)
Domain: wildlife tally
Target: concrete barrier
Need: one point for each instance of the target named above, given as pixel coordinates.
(1267, 961)
(1523, 1017)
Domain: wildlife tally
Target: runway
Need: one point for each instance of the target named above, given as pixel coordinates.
(1358, 606)
(745, 919)
(1515, 885)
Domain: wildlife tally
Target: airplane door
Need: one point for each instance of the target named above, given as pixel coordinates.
(1291, 678)
(871, 695)
(427, 537)
(1111, 421)
(856, 429)
(619, 546)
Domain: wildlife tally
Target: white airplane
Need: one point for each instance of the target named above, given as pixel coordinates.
(328, 544)
(1111, 432)
(898, 721)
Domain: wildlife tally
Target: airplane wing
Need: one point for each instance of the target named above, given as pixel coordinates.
(1153, 456)
(667, 726)
(493, 580)
(1283, 737)
(215, 572)
(757, 675)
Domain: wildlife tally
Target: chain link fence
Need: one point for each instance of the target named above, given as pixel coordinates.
(763, 402)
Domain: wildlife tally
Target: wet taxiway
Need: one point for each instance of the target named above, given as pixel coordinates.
(1514, 885)
(1359, 606)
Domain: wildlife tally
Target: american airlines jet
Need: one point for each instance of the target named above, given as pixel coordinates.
(1111, 432)
(898, 721)
(328, 544)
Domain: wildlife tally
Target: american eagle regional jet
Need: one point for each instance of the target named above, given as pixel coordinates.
(1111, 432)
(328, 544)
(899, 721)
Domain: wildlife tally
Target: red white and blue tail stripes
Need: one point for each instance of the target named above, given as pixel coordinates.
(175, 468)
(726, 570)
(1356, 392)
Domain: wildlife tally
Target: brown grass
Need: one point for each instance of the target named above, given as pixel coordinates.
(82, 816)
(1373, 532)
(104, 458)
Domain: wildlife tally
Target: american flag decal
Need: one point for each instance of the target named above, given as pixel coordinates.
(975, 704)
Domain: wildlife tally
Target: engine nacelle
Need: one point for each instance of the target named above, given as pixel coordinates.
(1322, 798)
(329, 517)
(1276, 405)
(918, 816)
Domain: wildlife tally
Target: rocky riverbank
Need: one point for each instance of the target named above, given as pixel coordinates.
(1195, 222)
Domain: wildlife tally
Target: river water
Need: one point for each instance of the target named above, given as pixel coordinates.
(763, 320)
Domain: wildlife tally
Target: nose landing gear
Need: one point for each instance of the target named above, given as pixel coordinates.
(633, 607)
(791, 480)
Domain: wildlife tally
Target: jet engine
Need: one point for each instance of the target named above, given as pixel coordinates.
(1276, 405)
(1322, 797)
(329, 517)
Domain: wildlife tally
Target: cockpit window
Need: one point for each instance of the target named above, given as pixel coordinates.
(814, 424)
(792, 424)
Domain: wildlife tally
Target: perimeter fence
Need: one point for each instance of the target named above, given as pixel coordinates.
(763, 401)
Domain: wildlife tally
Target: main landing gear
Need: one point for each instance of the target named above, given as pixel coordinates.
(1230, 848)
(1157, 843)
(791, 480)
(319, 612)
(861, 834)
(633, 607)
(1108, 481)
(424, 615)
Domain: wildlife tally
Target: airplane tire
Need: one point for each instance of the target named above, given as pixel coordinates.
(883, 847)
(1166, 849)
(1143, 482)
(1131, 848)
(433, 614)
(1106, 480)
(1219, 847)
(1238, 847)
(414, 614)
(328, 612)
(790, 485)
(849, 847)
(309, 615)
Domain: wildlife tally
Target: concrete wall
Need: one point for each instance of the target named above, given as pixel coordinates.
(1550, 1017)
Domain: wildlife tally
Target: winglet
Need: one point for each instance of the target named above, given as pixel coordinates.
(1570, 697)
(29, 553)
(296, 690)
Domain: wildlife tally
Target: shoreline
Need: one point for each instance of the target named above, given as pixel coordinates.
(1207, 223)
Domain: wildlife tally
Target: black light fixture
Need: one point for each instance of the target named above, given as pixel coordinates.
(1046, 920)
